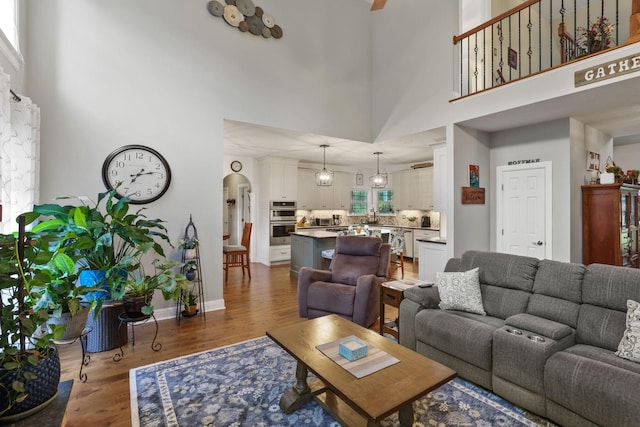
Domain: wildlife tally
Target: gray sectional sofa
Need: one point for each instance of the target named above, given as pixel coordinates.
(548, 339)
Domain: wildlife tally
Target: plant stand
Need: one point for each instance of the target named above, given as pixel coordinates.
(125, 319)
(192, 256)
(83, 343)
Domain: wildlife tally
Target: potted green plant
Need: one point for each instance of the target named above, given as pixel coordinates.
(190, 270)
(189, 244)
(103, 236)
(138, 291)
(190, 300)
(29, 362)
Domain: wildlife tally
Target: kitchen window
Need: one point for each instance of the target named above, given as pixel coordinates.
(359, 201)
(384, 201)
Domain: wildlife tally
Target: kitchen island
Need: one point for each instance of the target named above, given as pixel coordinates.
(307, 247)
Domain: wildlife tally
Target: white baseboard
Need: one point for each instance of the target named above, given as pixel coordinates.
(170, 312)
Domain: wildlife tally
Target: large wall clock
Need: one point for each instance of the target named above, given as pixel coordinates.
(137, 172)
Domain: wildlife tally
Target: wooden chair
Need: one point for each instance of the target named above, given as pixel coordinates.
(238, 255)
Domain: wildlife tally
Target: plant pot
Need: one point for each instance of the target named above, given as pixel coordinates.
(40, 391)
(190, 275)
(97, 279)
(190, 310)
(190, 253)
(133, 304)
(74, 324)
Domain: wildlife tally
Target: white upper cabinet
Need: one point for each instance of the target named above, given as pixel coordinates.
(413, 189)
(306, 189)
(281, 178)
(342, 191)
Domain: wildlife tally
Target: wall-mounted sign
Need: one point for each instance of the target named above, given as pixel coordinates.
(522, 162)
(608, 70)
(472, 196)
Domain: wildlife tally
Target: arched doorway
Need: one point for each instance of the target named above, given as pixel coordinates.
(237, 206)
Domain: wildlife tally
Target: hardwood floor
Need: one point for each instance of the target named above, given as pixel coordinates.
(252, 307)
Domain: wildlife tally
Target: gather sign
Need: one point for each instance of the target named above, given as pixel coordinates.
(626, 65)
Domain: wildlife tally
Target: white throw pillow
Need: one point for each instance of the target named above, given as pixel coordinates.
(629, 347)
(460, 291)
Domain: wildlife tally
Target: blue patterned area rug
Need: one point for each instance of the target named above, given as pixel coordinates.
(241, 385)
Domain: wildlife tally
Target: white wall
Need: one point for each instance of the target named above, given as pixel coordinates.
(471, 221)
(548, 142)
(166, 74)
(627, 156)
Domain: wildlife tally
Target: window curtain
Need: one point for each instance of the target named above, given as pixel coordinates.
(19, 155)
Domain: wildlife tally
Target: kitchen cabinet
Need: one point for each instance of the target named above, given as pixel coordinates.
(306, 189)
(413, 189)
(342, 191)
(422, 234)
(280, 253)
(333, 197)
(307, 247)
(433, 259)
(610, 224)
(408, 243)
(281, 178)
(439, 177)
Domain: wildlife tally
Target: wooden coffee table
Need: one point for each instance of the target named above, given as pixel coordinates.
(353, 401)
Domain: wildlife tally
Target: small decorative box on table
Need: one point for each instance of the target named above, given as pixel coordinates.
(353, 349)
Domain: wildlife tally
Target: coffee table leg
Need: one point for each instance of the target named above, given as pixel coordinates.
(299, 394)
(405, 415)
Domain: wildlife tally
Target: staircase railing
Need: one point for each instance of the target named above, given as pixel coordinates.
(536, 36)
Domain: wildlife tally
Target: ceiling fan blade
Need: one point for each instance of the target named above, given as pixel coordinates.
(378, 4)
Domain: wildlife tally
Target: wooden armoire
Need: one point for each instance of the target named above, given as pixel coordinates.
(610, 224)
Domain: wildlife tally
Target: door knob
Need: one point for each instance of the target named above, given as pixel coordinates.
(538, 243)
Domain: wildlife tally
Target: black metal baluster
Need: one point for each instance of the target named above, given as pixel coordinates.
(509, 47)
(540, 35)
(461, 69)
(475, 56)
(519, 44)
(550, 34)
(529, 51)
(493, 80)
(501, 39)
(484, 58)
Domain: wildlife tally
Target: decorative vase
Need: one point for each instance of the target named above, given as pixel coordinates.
(40, 391)
(190, 275)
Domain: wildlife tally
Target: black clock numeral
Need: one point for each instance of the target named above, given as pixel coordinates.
(139, 156)
(120, 164)
(114, 172)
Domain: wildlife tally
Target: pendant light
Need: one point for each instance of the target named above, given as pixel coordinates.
(379, 180)
(324, 177)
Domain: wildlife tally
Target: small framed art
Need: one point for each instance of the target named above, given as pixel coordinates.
(513, 59)
(474, 176)
(593, 161)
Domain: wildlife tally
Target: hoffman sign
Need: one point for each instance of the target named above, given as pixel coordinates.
(629, 64)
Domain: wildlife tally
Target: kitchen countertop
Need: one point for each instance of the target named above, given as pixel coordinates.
(311, 227)
(315, 234)
(433, 240)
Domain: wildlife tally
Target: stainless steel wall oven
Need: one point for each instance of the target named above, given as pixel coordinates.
(282, 222)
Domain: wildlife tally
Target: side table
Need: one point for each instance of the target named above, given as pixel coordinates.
(393, 297)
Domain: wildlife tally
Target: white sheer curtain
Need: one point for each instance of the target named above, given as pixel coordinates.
(19, 155)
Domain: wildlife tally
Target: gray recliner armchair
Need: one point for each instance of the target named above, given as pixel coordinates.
(351, 288)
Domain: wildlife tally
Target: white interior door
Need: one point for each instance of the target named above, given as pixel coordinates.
(225, 210)
(523, 217)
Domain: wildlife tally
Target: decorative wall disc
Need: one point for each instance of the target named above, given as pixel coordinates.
(255, 25)
(246, 16)
(268, 20)
(276, 31)
(246, 7)
(215, 8)
(232, 15)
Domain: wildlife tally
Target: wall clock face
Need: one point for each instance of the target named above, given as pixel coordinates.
(236, 166)
(137, 172)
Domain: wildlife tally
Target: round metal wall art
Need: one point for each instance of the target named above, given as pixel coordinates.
(246, 16)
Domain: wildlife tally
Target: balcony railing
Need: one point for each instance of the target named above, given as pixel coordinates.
(536, 36)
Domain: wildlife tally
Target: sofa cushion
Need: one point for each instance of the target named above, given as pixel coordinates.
(557, 292)
(504, 270)
(629, 347)
(331, 297)
(595, 384)
(463, 335)
(503, 302)
(600, 327)
(460, 291)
